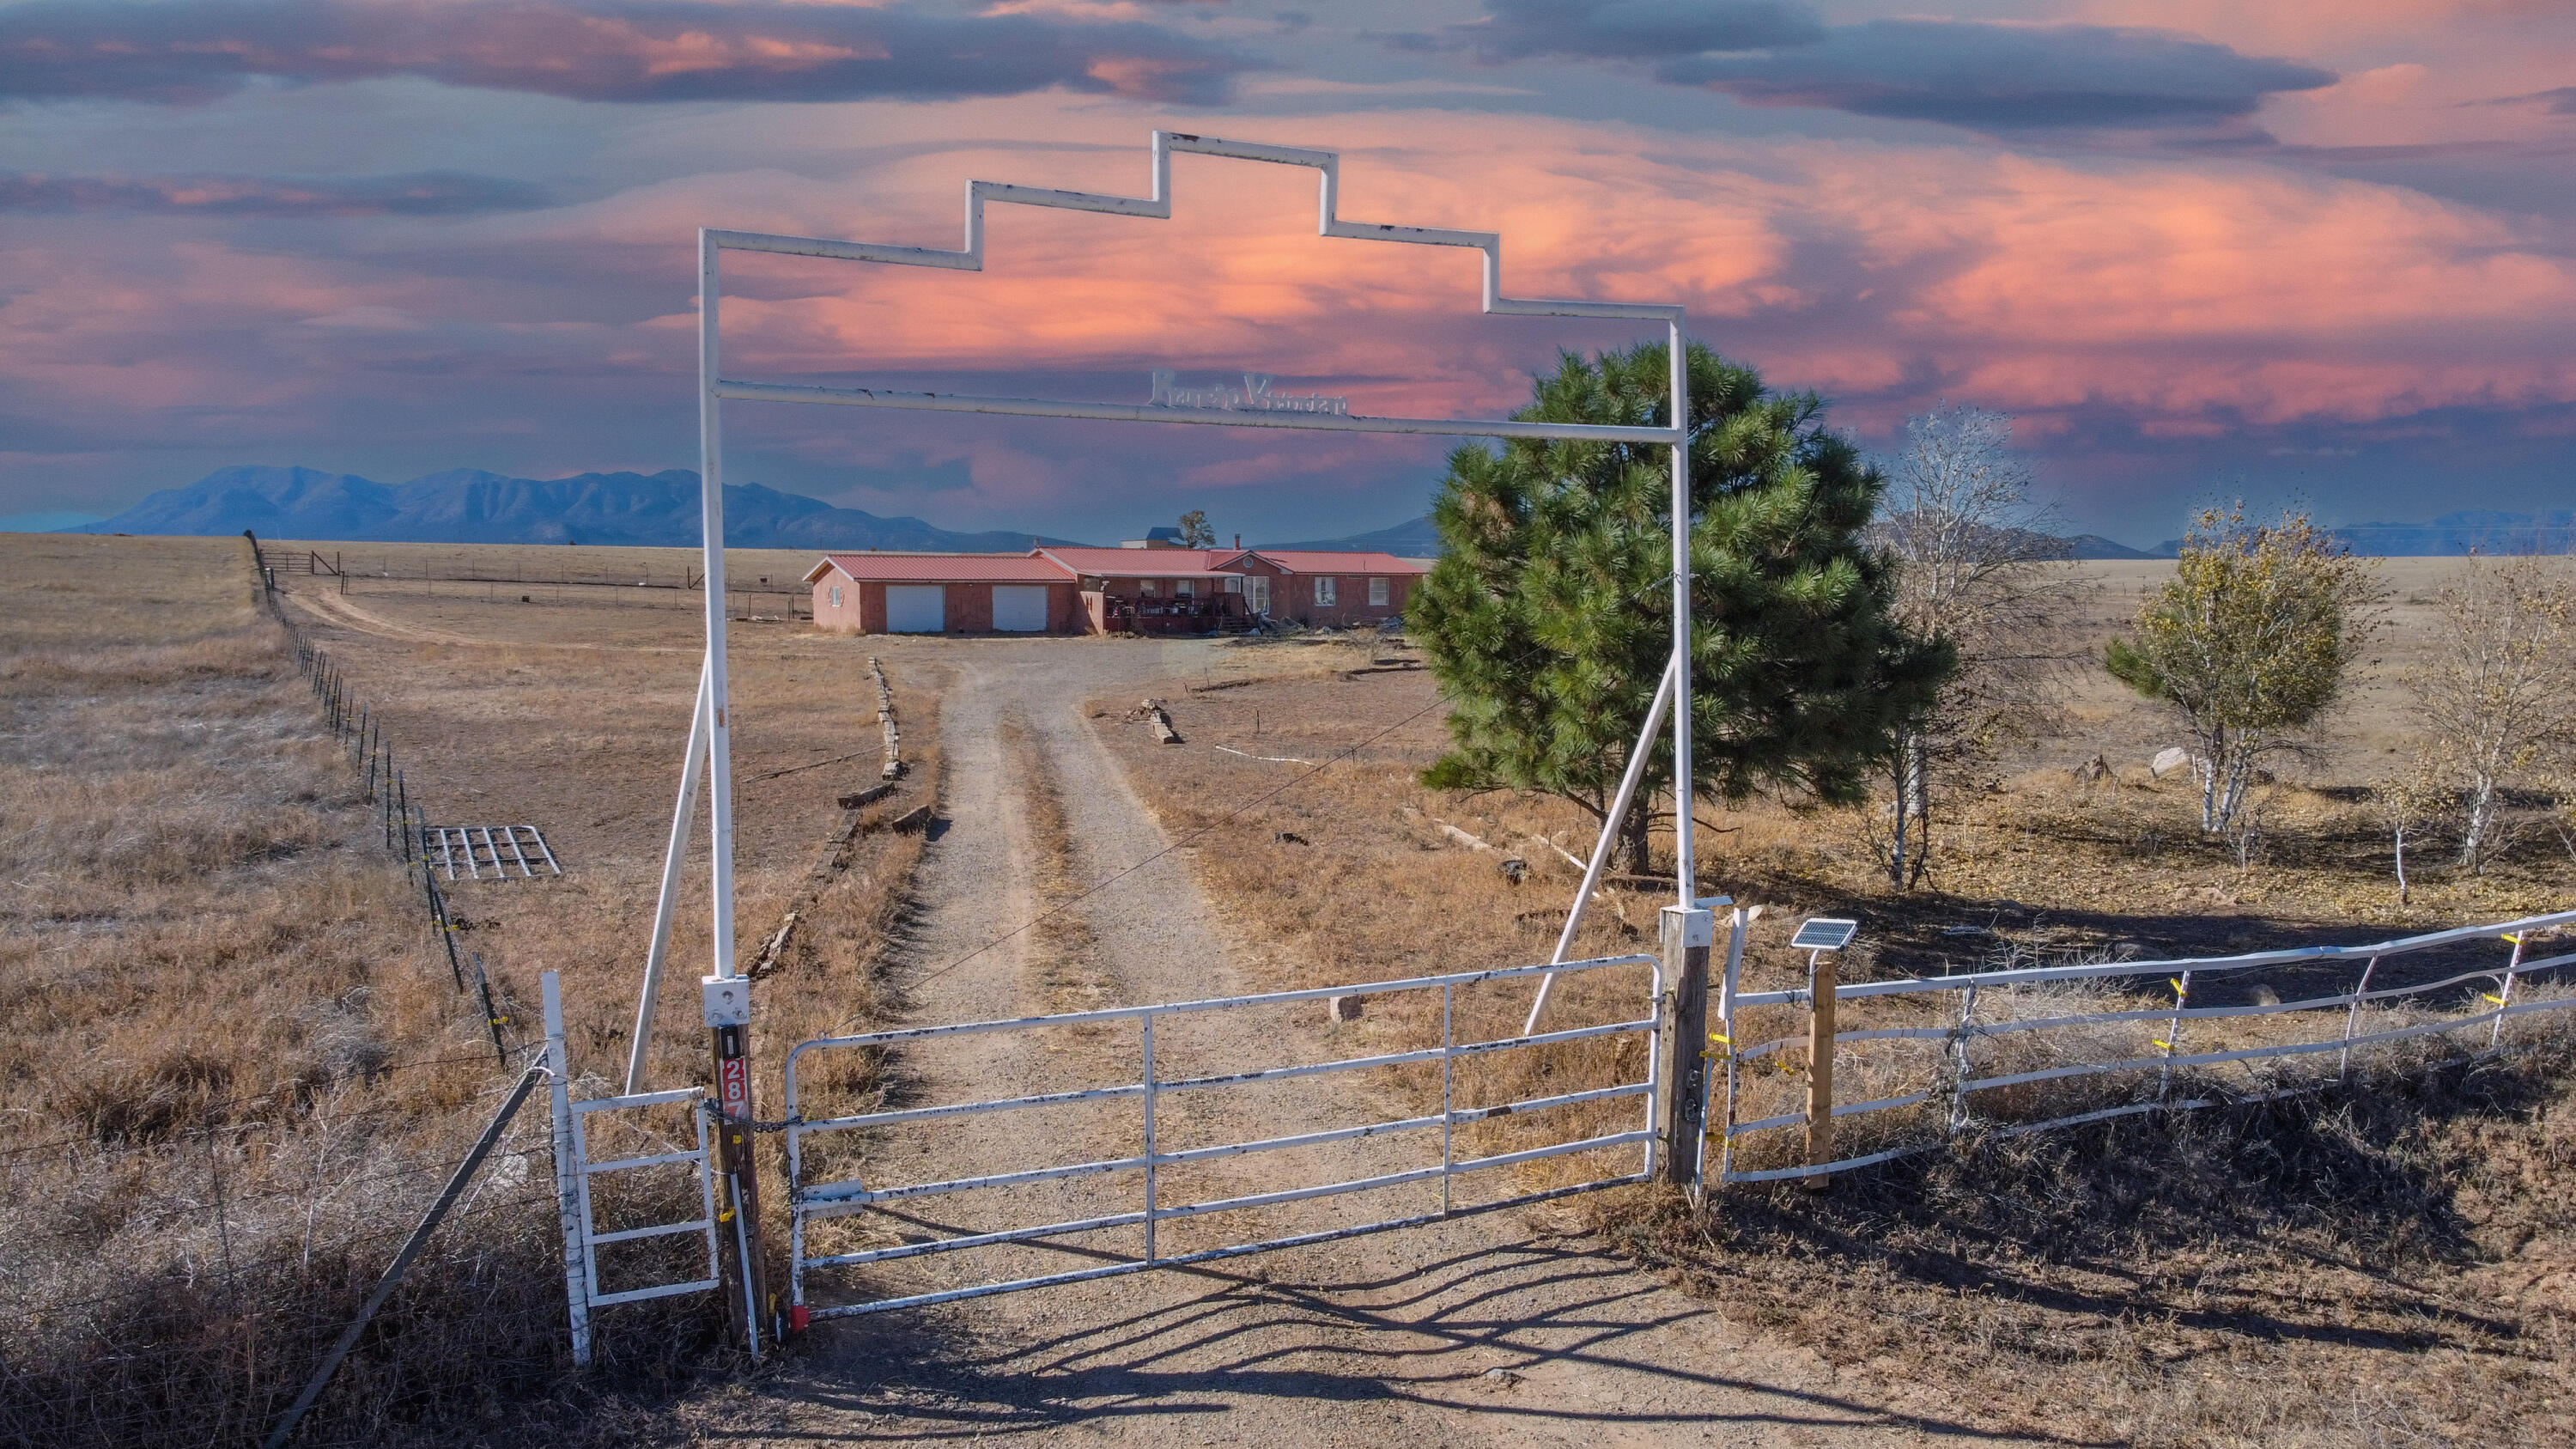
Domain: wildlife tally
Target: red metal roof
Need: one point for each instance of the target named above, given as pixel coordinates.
(943, 568)
(1325, 561)
(1144, 563)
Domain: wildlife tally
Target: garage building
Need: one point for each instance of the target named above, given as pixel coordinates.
(944, 593)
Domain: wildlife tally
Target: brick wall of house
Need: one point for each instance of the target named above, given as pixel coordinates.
(1293, 598)
(862, 609)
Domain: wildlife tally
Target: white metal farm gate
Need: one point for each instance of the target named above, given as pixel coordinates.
(814, 1201)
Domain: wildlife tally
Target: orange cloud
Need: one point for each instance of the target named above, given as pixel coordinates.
(2176, 289)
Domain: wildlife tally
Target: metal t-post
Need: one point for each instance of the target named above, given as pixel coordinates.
(567, 1172)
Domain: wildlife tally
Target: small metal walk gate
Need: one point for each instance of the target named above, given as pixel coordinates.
(575, 1175)
(816, 1197)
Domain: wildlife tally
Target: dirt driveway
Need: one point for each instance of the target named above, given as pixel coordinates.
(1511, 1327)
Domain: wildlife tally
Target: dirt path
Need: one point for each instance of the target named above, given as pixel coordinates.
(1505, 1327)
(331, 608)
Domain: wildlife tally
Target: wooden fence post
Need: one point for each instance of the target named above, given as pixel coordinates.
(1683, 1118)
(1820, 1067)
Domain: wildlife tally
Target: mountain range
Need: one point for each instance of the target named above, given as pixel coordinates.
(468, 505)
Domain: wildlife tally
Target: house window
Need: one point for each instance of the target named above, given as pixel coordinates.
(1182, 588)
(1151, 588)
(1326, 592)
(836, 596)
(1377, 593)
(1234, 583)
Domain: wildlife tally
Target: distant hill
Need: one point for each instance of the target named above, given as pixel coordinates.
(2094, 545)
(1413, 538)
(467, 505)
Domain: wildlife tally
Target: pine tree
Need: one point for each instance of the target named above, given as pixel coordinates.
(1548, 619)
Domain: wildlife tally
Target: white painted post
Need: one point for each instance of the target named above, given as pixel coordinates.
(657, 954)
(1684, 866)
(711, 503)
(567, 1171)
(2352, 1018)
(2173, 1036)
(2495, 1034)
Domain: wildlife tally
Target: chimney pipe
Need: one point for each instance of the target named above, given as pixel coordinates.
(1238, 540)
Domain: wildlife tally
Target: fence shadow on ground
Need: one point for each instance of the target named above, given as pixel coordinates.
(1423, 1336)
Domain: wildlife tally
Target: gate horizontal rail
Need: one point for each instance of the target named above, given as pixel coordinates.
(815, 1202)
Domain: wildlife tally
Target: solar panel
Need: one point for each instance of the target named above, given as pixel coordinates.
(1824, 933)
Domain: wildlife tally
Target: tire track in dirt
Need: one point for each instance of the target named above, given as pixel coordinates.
(337, 609)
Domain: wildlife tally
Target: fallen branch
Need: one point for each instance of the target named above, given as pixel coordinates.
(769, 954)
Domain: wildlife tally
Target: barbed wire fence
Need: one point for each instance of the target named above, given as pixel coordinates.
(177, 1278)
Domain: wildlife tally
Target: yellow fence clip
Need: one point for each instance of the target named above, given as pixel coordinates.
(2491, 996)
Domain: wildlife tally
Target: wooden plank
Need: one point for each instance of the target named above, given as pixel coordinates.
(1820, 1072)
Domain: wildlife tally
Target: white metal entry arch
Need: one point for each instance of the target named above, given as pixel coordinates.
(710, 736)
(709, 749)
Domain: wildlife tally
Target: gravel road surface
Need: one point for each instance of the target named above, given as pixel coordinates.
(1510, 1327)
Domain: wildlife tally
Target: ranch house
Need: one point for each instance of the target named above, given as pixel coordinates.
(1151, 586)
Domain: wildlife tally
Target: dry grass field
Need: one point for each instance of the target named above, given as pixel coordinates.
(235, 1063)
(238, 1059)
(240, 1067)
(2386, 1264)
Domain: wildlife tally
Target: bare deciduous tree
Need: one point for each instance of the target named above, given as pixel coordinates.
(2409, 804)
(1978, 564)
(2250, 644)
(2498, 694)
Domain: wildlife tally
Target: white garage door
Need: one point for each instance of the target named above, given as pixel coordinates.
(1020, 608)
(916, 608)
